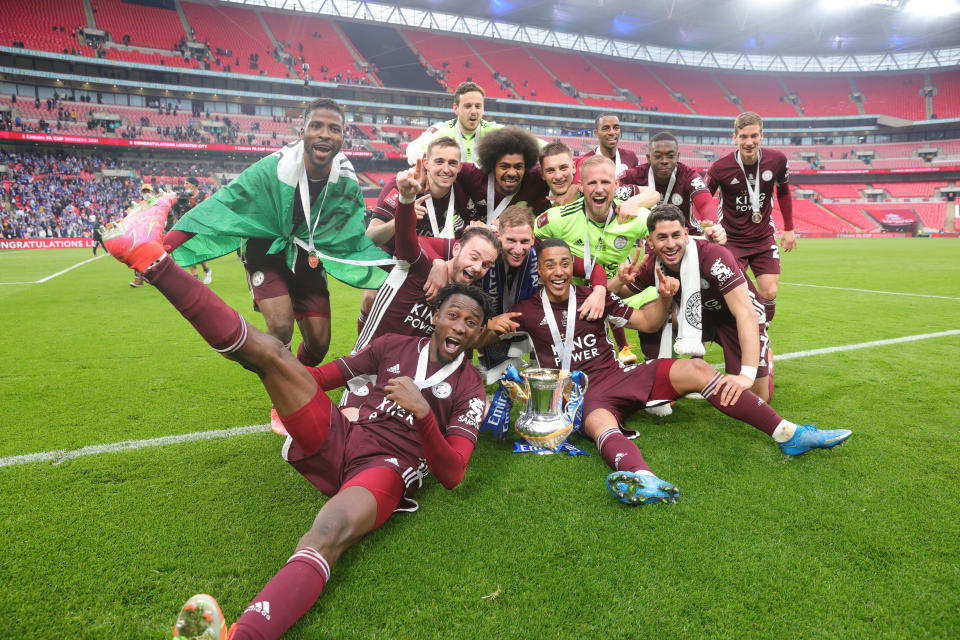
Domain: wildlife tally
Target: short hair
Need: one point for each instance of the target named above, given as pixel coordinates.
(501, 142)
(596, 122)
(475, 293)
(664, 135)
(466, 87)
(517, 215)
(327, 104)
(554, 149)
(442, 142)
(597, 159)
(552, 242)
(480, 232)
(665, 212)
(746, 119)
(192, 180)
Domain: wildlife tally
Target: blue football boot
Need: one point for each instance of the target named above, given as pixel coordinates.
(809, 437)
(640, 488)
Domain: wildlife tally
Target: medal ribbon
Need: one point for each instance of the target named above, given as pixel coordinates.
(305, 203)
(442, 374)
(620, 167)
(493, 214)
(669, 191)
(753, 192)
(447, 222)
(564, 347)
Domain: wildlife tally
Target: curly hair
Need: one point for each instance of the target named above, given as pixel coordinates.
(476, 294)
(502, 142)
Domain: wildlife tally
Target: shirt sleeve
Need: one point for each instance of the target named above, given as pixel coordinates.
(617, 313)
(418, 147)
(644, 277)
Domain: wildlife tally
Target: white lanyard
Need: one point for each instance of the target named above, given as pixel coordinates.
(305, 202)
(462, 142)
(673, 181)
(753, 192)
(563, 347)
(447, 222)
(620, 166)
(587, 263)
(493, 214)
(442, 374)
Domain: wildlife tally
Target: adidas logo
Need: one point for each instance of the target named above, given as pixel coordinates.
(544, 321)
(392, 461)
(394, 369)
(263, 608)
(734, 181)
(616, 461)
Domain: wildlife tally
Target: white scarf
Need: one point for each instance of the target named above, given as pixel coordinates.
(689, 336)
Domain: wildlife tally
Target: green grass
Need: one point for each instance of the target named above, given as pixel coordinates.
(859, 542)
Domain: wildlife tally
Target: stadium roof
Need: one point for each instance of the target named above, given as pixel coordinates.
(774, 35)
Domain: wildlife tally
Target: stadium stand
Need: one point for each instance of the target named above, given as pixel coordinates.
(147, 26)
(531, 81)
(315, 39)
(893, 94)
(823, 95)
(50, 25)
(648, 89)
(577, 70)
(455, 60)
(912, 189)
(760, 92)
(946, 101)
(700, 90)
(836, 190)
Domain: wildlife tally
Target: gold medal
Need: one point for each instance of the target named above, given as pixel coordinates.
(756, 217)
(313, 259)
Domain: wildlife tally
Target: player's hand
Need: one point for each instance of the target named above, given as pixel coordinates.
(627, 272)
(407, 396)
(592, 307)
(410, 182)
(503, 323)
(716, 233)
(730, 388)
(438, 278)
(788, 241)
(668, 286)
(419, 208)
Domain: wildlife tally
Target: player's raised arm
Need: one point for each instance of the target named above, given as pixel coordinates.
(626, 273)
(650, 317)
(409, 184)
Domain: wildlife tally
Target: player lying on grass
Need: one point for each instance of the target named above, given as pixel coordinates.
(563, 340)
(422, 414)
(722, 305)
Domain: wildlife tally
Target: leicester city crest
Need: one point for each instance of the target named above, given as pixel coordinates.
(693, 309)
(620, 242)
(441, 390)
(676, 199)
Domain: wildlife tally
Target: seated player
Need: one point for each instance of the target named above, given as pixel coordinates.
(422, 414)
(562, 340)
(727, 309)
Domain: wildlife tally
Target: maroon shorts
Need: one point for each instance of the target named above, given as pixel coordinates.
(347, 452)
(762, 258)
(624, 391)
(269, 277)
(727, 337)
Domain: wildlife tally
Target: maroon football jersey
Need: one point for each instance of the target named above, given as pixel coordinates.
(735, 210)
(474, 183)
(386, 210)
(688, 183)
(719, 274)
(457, 401)
(628, 160)
(593, 351)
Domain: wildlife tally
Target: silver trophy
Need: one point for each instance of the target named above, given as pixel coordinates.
(545, 424)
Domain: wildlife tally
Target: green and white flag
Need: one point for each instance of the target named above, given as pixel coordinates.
(259, 204)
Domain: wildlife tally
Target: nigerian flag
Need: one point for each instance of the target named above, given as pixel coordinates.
(259, 204)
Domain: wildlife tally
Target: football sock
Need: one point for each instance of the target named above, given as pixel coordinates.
(784, 431)
(649, 345)
(748, 407)
(222, 327)
(175, 238)
(769, 307)
(619, 453)
(305, 357)
(289, 595)
(619, 336)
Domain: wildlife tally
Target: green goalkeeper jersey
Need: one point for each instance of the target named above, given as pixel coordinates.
(610, 244)
(418, 147)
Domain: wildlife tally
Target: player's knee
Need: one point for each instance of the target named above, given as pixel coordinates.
(691, 374)
(768, 291)
(330, 535)
(366, 300)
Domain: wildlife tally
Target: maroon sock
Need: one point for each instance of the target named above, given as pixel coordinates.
(769, 307)
(175, 238)
(288, 595)
(620, 453)
(222, 327)
(748, 407)
(620, 337)
(307, 358)
(649, 345)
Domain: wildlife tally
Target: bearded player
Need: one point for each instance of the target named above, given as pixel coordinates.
(421, 415)
(563, 340)
(746, 180)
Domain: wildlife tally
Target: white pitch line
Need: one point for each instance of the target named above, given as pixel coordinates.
(59, 273)
(62, 455)
(889, 293)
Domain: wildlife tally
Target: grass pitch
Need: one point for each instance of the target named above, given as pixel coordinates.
(858, 542)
